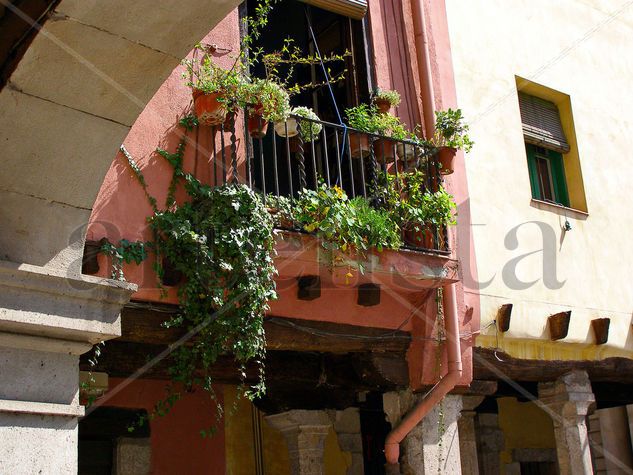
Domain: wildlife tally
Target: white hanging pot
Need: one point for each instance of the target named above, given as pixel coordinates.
(280, 127)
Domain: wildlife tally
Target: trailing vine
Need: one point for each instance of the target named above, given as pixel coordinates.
(221, 240)
(440, 338)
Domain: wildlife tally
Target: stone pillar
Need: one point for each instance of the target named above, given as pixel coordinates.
(46, 321)
(347, 427)
(305, 433)
(569, 399)
(491, 443)
(468, 435)
(433, 445)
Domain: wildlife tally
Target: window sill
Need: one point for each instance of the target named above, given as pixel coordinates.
(560, 209)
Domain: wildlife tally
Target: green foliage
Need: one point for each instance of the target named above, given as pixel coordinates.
(367, 119)
(345, 225)
(268, 98)
(221, 240)
(206, 76)
(281, 66)
(451, 131)
(309, 130)
(126, 252)
(392, 97)
(412, 205)
(222, 243)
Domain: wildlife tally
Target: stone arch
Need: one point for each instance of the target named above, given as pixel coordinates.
(69, 104)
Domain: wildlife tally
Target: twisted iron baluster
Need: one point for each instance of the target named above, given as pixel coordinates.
(300, 156)
(235, 179)
(372, 176)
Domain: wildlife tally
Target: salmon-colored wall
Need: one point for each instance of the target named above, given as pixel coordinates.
(176, 443)
(121, 207)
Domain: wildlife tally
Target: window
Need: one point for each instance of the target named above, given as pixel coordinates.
(545, 143)
(551, 147)
(547, 175)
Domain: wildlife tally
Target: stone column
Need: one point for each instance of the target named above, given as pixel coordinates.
(347, 427)
(46, 321)
(305, 433)
(569, 399)
(433, 445)
(468, 435)
(491, 443)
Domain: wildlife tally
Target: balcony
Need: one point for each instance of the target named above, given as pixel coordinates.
(282, 159)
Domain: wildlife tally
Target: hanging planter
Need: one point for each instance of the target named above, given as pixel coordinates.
(209, 110)
(446, 157)
(280, 127)
(257, 125)
(359, 144)
(384, 148)
(385, 99)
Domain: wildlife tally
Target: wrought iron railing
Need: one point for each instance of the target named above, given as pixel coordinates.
(356, 161)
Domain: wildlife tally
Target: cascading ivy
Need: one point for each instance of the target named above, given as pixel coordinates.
(221, 241)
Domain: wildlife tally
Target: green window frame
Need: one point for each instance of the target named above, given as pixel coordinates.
(547, 175)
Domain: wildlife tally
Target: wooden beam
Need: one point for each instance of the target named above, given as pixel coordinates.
(559, 325)
(143, 325)
(489, 364)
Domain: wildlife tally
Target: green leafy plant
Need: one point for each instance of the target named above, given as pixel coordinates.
(282, 64)
(206, 76)
(267, 98)
(221, 240)
(309, 130)
(451, 131)
(350, 226)
(392, 97)
(126, 252)
(367, 119)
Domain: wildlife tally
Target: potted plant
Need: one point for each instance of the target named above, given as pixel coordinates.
(386, 99)
(360, 118)
(268, 102)
(451, 133)
(391, 130)
(214, 89)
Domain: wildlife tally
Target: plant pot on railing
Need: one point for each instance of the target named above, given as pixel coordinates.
(209, 110)
(257, 125)
(383, 105)
(287, 128)
(446, 157)
(384, 149)
(359, 144)
(422, 237)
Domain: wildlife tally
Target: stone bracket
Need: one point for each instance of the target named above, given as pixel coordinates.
(41, 408)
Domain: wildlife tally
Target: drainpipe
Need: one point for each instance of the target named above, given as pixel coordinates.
(451, 322)
(441, 389)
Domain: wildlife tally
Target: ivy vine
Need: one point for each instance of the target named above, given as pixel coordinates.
(221, 241)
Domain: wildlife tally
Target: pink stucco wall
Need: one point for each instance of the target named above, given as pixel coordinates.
(176, 443)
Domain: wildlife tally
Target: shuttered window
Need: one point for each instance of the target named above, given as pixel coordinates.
(355, 9)
(541, 123)
(547, 175)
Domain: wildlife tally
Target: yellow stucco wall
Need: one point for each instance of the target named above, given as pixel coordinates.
(239, 443)
(525, 426)
(580, 48)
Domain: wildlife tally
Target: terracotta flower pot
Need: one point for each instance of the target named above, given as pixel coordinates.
(446, 156)
(257, 125)
(383, 105)
(359, 144)
(383, 148)
(208, 109)
(422, 238)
